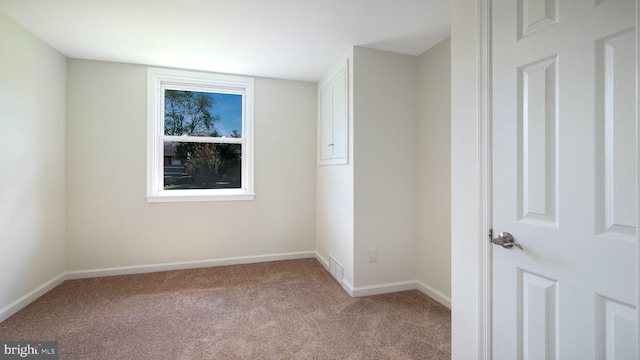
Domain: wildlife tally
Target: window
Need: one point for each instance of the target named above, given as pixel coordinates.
(200, 136)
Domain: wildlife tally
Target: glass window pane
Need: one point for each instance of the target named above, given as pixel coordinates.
(190, 165)
(196, 113)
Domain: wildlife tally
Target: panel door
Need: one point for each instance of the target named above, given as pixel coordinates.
(333, 118)
(564, 175)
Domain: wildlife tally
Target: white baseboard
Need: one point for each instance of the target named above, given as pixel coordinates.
(348, 287)
(434, 294)
(390, 287)
(383, 288)
(17, 305)
(128, 270)
(322, 260)
(344, 283)
(403, 286)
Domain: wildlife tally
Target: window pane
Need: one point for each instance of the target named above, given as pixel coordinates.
(190, 165)
(202, 114)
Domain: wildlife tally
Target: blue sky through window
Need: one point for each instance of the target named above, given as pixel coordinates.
(229, 107)
(183, 113)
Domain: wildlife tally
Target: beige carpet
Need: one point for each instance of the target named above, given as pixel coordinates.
(277, 310)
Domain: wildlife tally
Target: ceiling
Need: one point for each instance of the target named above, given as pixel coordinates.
(289, 39)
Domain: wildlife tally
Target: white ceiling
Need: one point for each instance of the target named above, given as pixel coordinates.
(290, 39)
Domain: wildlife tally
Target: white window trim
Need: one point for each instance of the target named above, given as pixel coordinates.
(157, 80)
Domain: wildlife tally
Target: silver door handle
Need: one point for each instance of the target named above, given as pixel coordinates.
(506, 240)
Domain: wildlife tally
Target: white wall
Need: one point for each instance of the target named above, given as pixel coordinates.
(465, 177)
(434, 169)
(385, 110)
(371, 202)
(32, 165)
(334, 200)
(394, 194)
(109, 222)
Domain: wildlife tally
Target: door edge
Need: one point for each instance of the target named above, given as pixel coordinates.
(485, 167)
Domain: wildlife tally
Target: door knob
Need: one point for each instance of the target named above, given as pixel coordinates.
(506, 240)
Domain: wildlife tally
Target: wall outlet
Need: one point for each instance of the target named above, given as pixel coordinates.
(373, 255)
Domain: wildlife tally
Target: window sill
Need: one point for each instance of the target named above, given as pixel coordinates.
(201, 195)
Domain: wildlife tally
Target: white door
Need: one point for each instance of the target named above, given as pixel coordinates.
(564, 155)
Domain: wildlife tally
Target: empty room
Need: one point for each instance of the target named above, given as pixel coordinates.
(419, 179)
(215, 180)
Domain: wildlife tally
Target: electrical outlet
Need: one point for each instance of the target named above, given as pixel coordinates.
(373, 255)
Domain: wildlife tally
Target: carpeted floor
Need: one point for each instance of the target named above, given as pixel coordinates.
(278, 310)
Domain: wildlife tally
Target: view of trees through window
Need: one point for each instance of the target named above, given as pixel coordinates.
(208, 154)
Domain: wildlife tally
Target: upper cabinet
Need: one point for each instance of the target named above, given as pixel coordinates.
(333, 117)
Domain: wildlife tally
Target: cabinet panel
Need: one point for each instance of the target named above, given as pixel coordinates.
(333, 118)
(339, 127)
(326, 123)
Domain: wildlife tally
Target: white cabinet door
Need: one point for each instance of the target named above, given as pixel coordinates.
(340, 94)
(564, 160)
(325, 149)
(333, 118)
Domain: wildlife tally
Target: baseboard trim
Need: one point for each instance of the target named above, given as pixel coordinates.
(403, 286)
(129, 270)
(19, 304)
(344, 283)
(322, 260)
(434, 294)
(383, 288)
(390, 287)
(348, 287)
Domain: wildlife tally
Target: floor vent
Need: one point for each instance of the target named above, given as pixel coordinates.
(336, 269)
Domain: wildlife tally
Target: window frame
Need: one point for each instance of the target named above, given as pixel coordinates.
(160, 79)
